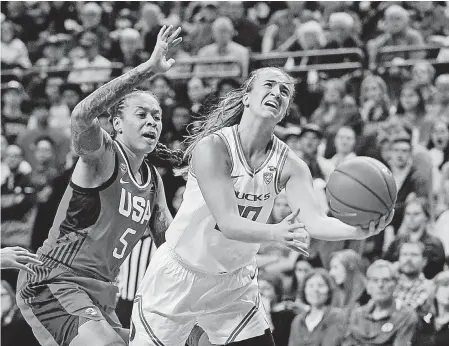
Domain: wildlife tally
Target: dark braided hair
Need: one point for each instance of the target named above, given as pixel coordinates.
(160, 152)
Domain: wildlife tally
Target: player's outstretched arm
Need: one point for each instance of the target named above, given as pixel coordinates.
(300, 194)
(211, 165)
(161, 217)
(87, 137)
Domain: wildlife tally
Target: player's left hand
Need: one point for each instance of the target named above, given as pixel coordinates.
(376, 228)
(165, 41)
(17, 258)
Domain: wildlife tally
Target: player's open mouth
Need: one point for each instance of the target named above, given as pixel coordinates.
(149, 135)
(271, 104)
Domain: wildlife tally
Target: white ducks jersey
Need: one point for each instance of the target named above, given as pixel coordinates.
(194, 235)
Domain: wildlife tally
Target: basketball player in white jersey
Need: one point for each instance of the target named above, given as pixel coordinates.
(206, 273)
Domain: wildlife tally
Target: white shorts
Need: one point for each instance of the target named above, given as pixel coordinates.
(172, 298)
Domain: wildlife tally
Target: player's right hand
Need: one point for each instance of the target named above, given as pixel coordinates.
(165, 41)
(17, 258)
(293, 234)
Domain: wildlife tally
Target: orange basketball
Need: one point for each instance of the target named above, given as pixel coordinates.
(361, 190)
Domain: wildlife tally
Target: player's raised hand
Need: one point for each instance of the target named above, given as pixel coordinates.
(376, 228)
(17, 258)
(291, 233)
(166, 39)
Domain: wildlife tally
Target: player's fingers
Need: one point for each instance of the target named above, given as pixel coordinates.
(298, 247)
(161, 32)
(292, 216)
(166, 33)
(390, 217)
(24, 267)
(176, 42)
(174, 35)
(27, 259)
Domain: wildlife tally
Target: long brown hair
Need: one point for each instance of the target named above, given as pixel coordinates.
(160, 152)
(228, 111)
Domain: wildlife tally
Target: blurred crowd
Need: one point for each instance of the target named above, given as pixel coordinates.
(379, 88)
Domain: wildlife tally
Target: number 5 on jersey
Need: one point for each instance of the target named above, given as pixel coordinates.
(245, 211)
(119, 255)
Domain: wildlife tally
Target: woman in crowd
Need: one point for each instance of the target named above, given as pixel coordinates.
(423, 74)
(374, 100)
(302, 268)
(439, 151)
(321, 324)
(344, 144)
(434, 327)
(346, 268)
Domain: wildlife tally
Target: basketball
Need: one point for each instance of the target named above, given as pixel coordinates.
(361, 190)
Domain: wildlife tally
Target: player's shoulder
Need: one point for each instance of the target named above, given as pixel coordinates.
(212, 142)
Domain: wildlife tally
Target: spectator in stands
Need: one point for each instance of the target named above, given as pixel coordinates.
(95, 68)
(18, 201)
(59, 110)
(42, 128)
(347, 270)
(72, 94)
(408, 179)
(203, 16)
(374, 101)
(44, 170)
(429, 18)
(414, 228)
(14, 52)
(397, 32)
(441, 109)
(180, 119)
(128, 50)
(434, 327)
(224, 46)
(321, 324)
(124, 20)
(247, 32)
(149, 25)
(344, 144)
(342, 35)
(413, 289)
(53, 54)
(423, 74)
(439, 151)
(14, 120)
(197, 91)
(301, 269)
(381, 322)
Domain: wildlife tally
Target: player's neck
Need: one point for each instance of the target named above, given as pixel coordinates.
(135, 160)
(254, 136)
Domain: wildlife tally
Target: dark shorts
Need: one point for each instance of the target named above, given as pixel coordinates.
(55, 309)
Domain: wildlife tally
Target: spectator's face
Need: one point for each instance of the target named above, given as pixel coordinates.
(296, 6)
(180, 119)
(76, 54)
(294, 143)
(400, 154)
(160, 88)
(302, 268)
(224, 90)
(337, 271)
(71, 98)
(222, 35)
(332, 93)
(442, 294)
(381, 285)
(372, 91)
(440, 135)
(421, 74)
(411, 259)
(345, 140)
(196, 90)
(443, 92)
(414, 217)
(12, 97)
(7, 32)
(90, 18)
(310, 40)
(267, 290)
(52, 88)
(150, 15)
(316, 291)
(309, 143)
(38, 10)
(130, 44)
(178, 198)
(52, 52)
(409, 99)
(13, 157)
(89, 43)
(4, 145)
(395, 23)
(340, 31)
(41, 115)
(232, 9)
(280, 208)
(43, 152)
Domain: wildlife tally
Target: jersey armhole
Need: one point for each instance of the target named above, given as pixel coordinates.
(281, 163)
(103, 186)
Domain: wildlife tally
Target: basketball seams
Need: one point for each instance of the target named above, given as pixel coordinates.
(349, 205)
(365, 186)
(392, 198)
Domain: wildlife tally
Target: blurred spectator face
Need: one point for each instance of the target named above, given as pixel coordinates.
(400, 154)
(41, 115)
(4, 145)
(281, 208)
(71, 98)
(316, 291)
(423, 6)
(52, 52)
(302, 268)
(337, 271)
(396, 19)
(160, 88)
(76, 54)
(7, 32)
(421, 73)
(130, 41)
(89, 42)
(372, 90)
(341, 26)
(267, 290)
(310, 35)
(232, 9)
(309, 142)
(332, 93)
(177, 199)
(440, 135)
(44, 152)
(225, 89)
(442, 85)
(15, 8)
(151, 14)
(53, 88)
(381, 284)
(13, 157)
(409, 99)
(180, 118)
(296, 6)
(38, 10)
(223, 31)
(294, 143)
(411, 259)
(414, 217)
(90, 15)
(345, 140)
(123, 20)
(12, 97)
(196, 90)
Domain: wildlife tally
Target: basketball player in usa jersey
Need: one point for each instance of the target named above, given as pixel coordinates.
(114, 196)
(205, 273)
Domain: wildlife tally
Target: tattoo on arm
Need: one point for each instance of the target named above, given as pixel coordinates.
(160, 220)
(86, 132)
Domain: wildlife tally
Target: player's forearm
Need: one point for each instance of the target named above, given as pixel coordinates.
(241, 229)
(332, 229)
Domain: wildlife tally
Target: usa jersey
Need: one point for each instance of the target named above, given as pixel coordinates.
(96, 228)
(194, 235)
